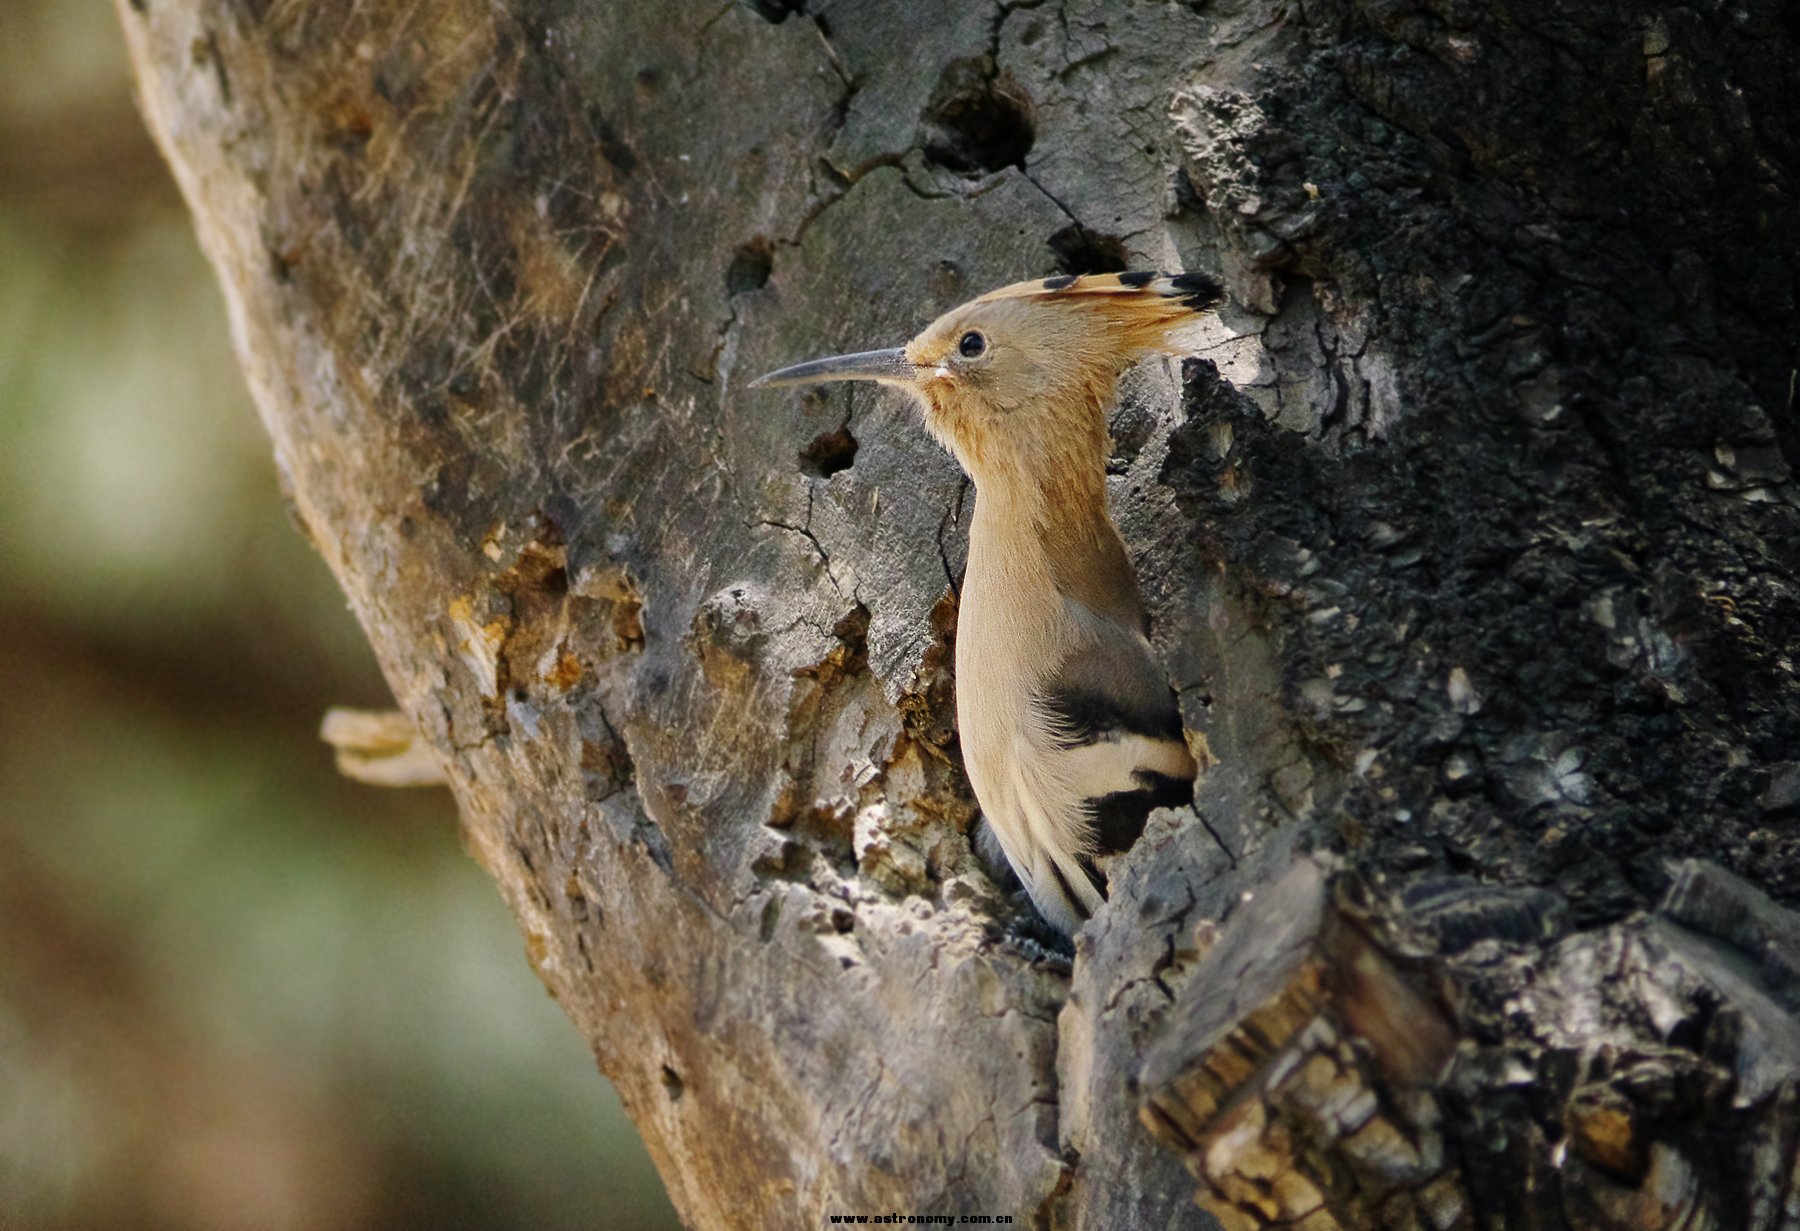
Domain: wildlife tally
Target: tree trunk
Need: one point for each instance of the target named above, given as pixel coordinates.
(1466, 557)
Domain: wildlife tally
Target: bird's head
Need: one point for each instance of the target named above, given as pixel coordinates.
(1015, 383)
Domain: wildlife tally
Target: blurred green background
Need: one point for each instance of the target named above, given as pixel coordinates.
(236, 991)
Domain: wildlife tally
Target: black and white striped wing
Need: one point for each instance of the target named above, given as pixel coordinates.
(1116, 723)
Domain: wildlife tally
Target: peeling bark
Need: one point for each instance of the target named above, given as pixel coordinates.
(1468, 541)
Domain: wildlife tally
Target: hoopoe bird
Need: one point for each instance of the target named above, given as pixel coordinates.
(1070, 730)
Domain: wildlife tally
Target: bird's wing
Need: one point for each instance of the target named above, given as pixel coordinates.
(1116, 724)
(1104, 748)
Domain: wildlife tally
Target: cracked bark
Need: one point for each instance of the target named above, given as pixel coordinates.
(1471, 553)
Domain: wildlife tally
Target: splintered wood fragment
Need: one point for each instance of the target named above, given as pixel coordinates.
(1296, 1078)
(1710, 900)
(1262, 982)
(1603, 1130)
(380, 748)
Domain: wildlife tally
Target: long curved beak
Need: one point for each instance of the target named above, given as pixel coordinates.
(890, 367)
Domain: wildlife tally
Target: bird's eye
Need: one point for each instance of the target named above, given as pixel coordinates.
(972, 345)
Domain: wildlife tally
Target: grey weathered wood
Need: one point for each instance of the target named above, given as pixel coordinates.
(1471, 555)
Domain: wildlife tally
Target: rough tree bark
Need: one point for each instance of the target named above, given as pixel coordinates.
(1472, 559)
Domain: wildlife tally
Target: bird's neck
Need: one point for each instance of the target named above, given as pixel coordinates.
(1046, 472)
(1052, 528)
(1047, 504)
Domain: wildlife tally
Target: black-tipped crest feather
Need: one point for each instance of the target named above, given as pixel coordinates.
(1193, 290)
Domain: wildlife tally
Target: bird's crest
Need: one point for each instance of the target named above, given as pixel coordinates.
(1191, 292)
(1142, 309)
